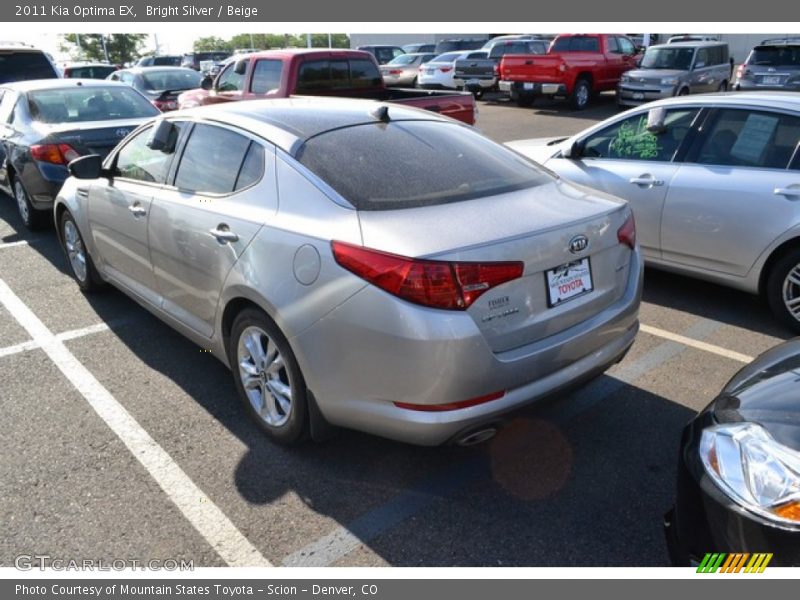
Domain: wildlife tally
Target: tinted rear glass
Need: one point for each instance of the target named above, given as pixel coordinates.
(406, 164)
(166, 61)
(775, 56)
(171, 80)
(73, 105)
(19, 66)
(315, 75)
(576, 43)
(668, 58)
(95, 72)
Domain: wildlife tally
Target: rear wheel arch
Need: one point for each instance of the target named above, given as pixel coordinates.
(776, 255)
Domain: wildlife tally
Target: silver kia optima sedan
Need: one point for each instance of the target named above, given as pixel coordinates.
(714, 183)
(359, 264)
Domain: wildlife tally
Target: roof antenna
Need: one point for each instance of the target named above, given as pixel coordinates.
(381, 113)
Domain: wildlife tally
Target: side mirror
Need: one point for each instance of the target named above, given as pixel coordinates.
(86, 167)
(207, 83)
(163, 137)
(655, 120)
(573, 151)
(240, 68)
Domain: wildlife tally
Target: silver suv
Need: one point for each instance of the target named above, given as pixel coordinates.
(772, 65)
(676, 69)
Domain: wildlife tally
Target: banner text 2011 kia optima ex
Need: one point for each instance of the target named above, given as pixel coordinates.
(365, 265)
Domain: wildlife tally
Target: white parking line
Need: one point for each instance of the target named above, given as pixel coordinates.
(206, 517)
(13, 244)
(687, 341)
(63, 336)
(17, 348)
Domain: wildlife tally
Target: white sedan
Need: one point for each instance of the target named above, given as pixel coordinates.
(440, 72)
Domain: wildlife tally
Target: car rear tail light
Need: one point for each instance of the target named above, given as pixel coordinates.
(445, 69)
(496, 70)
(627, 233)
(451, 405)
(395, 72)
(57, 154)
(432, 283)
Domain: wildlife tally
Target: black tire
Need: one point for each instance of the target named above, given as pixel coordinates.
(294, 428)
(89, 279)
(478, 93)
(581, 95)
(723, 87)
(414, 83)
(777, 280)
(524, 101)
(683, 92)
(31, 217)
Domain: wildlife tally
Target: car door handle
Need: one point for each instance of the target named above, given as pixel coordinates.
(647, 180)
(138, 210)
(223, 234)
(792, 192)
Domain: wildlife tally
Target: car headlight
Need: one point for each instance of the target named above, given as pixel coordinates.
(625, 78)
(756, 471)
(669, 81)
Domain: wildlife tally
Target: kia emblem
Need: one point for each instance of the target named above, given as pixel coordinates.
(578, 244)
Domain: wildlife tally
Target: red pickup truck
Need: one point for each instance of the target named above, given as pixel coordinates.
(309, 72)
(576, 67)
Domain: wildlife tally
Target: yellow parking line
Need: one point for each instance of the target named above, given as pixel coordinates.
(681, 339)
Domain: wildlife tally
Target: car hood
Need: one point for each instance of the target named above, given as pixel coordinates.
(767, 392)
(654, 73)
(539, 149)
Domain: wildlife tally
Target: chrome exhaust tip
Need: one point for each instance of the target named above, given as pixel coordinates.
(477, 436)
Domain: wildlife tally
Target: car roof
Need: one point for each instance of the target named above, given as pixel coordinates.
(35, 85)
(288, 122)
(692, 44)
(154, 68)
(287, 52)
(768, 100)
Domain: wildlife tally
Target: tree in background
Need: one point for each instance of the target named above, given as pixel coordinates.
(208, 44)
(120, 48)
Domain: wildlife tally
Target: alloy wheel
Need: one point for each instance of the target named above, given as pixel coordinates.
(264, 376)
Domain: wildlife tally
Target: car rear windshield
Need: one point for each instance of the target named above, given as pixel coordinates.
(166, 61)
(775, 56)
(404, 59)
(404, 164)
(78, 104)
(91, 72)
(185, 79)
(19, 66)
(668, 58)
(576, 43)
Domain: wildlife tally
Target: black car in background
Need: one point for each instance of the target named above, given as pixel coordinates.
(739, 467)
(772, 65)
(160, 85)
(48, 123)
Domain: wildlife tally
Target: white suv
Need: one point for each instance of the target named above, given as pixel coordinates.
(19, 62)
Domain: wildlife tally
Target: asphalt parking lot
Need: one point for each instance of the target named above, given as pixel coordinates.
(122, 440)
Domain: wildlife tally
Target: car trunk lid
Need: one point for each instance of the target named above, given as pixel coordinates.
(90, 137)
(536, 226)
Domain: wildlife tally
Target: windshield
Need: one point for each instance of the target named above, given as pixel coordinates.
(404, 164)
(775, 56)
(94, 103)
(184, 79)
(668, 58)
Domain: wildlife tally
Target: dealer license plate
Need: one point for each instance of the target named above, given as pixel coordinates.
(771, 80)
(527, 85)
(638, 96)
(568, 281)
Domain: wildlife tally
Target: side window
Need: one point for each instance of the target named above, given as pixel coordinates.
(229, 80)
(629, 139)
(702, 59)
(397, 52)
(613, 45)
(314, 75)
(252, 168)
(750, 139)
(266, 76)
(126, 77)
(136, 161)
(626, 46)
(212, 160)
(364, 74)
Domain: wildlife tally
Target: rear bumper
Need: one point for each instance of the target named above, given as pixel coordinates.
(475, 83)
(749, 86)
(375, 350)
(522, 89)
(43, 181)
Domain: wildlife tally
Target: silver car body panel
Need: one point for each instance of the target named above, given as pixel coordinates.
(361, 349)
(700, 220)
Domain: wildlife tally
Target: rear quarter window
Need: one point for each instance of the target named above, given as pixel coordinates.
(404, 164)
(19, 66)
